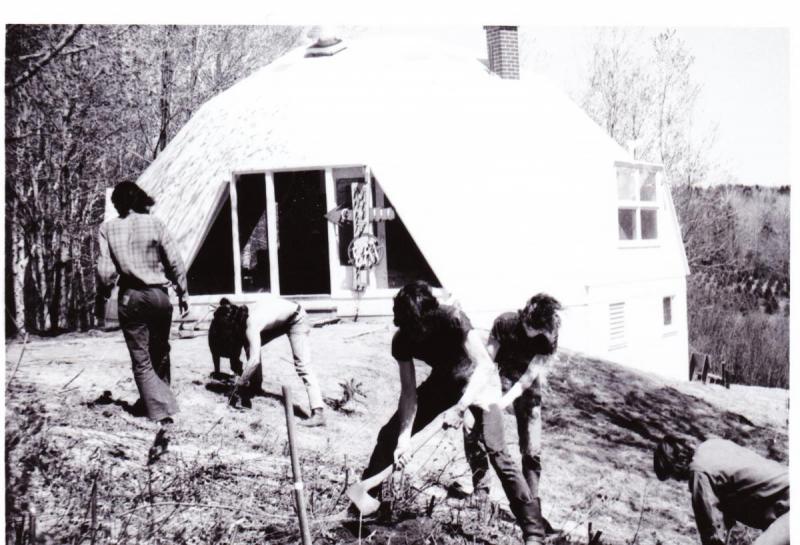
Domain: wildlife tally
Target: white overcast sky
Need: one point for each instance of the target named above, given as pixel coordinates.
(744, 73)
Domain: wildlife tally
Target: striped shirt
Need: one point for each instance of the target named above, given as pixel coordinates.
(139, 246)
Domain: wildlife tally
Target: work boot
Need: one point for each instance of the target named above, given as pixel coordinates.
(317, 419)
(456, 490)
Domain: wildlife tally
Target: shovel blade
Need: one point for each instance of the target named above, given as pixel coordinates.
(362, 500)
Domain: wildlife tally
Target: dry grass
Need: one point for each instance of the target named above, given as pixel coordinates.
(226, 477)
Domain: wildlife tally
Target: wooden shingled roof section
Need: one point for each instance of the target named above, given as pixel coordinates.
(295, 112)
(514, 168)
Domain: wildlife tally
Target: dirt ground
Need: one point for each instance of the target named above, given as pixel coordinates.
(226, 475)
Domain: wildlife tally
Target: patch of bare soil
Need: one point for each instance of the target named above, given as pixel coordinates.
(77, 453)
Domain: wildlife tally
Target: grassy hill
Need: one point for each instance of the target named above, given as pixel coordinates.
(226, 477)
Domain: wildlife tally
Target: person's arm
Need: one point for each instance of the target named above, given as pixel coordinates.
(709, 519)
(253, 351)
(406, 409)
(492, 346)
(484, 369)
(533, 374)
(174, 267)
(106, 268)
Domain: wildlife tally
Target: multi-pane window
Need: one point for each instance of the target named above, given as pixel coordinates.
(637, 203)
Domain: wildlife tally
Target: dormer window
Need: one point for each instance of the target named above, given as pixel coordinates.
(637, 203)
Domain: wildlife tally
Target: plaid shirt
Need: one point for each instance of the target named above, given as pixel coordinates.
(140, 247)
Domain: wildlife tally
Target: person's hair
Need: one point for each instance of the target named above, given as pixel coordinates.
(128, 196)
(229, 328)
(672, 457)
(541, 312)
(411, 303)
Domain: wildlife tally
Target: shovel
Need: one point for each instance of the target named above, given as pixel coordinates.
(359, 492)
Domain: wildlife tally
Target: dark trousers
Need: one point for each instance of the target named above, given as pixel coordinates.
(527, 410)
(145, 316)
(436, 395)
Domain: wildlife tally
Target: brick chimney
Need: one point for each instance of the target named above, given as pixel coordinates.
(503, 49)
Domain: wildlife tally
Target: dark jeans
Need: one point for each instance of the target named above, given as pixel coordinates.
(527, 410)
(145, 316)
(436, 395)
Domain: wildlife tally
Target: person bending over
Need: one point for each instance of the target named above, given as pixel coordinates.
(521, 344)
(728, 483)
(443, 337)
(252, 326)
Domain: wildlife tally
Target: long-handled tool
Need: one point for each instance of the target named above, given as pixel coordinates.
(188, 333)
(359, 492)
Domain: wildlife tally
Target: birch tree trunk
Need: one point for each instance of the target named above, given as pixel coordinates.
(19, 263)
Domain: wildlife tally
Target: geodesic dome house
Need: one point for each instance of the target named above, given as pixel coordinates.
(336, 177)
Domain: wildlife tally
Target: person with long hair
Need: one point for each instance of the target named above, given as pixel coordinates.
(138, 254)
(522, 343)
(728, 483)
(443, 337)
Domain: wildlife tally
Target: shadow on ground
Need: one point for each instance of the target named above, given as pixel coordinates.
(619, 407)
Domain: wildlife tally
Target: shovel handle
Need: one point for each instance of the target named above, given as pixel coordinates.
(371, 482)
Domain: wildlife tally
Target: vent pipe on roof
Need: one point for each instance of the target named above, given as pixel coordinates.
(503, 48)
(327, 44)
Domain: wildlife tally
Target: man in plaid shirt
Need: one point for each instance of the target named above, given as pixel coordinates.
(137, 251)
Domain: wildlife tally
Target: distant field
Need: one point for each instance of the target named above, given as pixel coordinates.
(226, 478)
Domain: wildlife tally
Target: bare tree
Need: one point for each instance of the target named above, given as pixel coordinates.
(87, 106)
(641, 90)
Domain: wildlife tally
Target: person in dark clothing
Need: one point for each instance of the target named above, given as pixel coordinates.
(136, 251)
(521, 344)
(443, 337)
(728, 483)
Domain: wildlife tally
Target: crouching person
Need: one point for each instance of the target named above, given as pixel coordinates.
(521, 343)
(443, 337)
(728, 483)
(253, 326)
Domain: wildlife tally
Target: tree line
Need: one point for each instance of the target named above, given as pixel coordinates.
(86, 107)
(736, 237)
(640, 89)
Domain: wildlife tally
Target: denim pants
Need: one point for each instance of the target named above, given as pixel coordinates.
(298, 331)
(434, 396)
(527, 410)
(145, 316)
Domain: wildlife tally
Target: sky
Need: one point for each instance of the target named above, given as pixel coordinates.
(743, 74)
(742, 53)
(744, 78)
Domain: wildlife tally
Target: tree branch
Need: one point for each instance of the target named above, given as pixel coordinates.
(32, 71)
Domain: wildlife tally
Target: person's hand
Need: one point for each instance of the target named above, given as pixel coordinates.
(183, 307)
(453, 418)
(104, 290)
(401, 452)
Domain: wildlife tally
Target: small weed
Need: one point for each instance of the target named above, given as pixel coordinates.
(352, 395)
